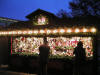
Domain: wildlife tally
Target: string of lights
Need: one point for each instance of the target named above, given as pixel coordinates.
(48, 31)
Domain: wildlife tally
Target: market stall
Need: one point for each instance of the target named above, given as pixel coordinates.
(26, 37)
(61, 46)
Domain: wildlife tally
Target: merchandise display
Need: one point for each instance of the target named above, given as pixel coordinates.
(65, 46)
(62, 46)
(26, 45)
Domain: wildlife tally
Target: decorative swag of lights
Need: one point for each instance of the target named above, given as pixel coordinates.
(49, 31)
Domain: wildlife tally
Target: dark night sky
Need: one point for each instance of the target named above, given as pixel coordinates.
(18, 9)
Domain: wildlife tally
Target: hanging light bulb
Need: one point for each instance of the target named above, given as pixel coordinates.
(69, 30)
(62, 30)
(55, 31)
(35, 31)
(24, 32)
(14, 32)
(4, 33)
(9, 32)
(48, 31)
(19, 32)
(84, 30)
(77, 30)
(93, 30)
(30, 32)
(42, 31)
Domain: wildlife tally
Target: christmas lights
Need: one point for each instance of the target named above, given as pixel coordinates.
(35, 31)
(42, 31)
(69, 31)
(55, 31)
(62, 30)
(84, 30)
(77, 30)
(93, 30)
(48, 31)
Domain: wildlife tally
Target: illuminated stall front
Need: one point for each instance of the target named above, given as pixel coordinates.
(25, 38)
(62, 41)
(62, 46)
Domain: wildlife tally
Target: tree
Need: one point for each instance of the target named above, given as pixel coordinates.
(85, 8)
(63, 14)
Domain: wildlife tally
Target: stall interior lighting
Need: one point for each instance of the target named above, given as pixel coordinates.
(48, 31)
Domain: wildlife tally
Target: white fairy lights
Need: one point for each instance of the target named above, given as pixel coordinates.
(30, 32)
(19, 32)
(42, 31)
(35, 31)
(62, 30)
(77, 30)
(48, 31)
(84, 30)
(69, 30)
(55, 31)
(93, 30)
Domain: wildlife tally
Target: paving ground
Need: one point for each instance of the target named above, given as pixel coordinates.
(14, 73)
(5, 71)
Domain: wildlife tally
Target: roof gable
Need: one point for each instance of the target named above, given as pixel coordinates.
(38, 12)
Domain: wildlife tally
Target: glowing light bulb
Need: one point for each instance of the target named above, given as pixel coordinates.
(24, 32)
(14, 32)
(4, 33)
(55, 31)
(30, 32)
(35, 31)
(77, 30)
(84, 30)
(48, 31)
(19, 32)
(62, 30)
(9, 32)
(93, 30)
(69, 30)
(42, 31)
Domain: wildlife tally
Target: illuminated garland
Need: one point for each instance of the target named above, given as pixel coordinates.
(61, 31)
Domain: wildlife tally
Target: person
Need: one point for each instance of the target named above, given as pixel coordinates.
(43, 58)
(80, 57)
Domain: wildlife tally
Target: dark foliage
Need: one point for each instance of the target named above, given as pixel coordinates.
(63, 14)
(85, 8)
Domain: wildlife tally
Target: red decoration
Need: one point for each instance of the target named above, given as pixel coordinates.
(22, 39)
